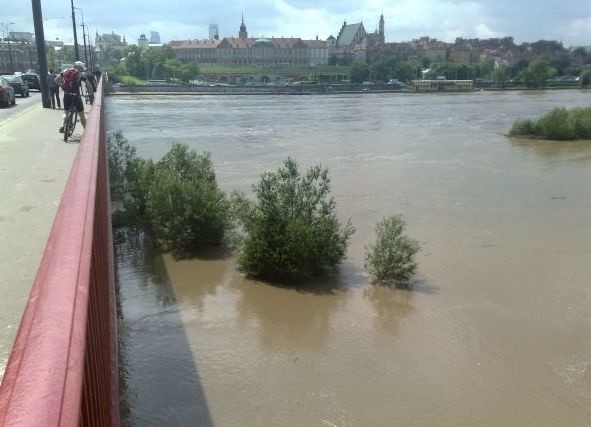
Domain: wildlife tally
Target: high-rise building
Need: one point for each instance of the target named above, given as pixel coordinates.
(214, 33)
(154, 37)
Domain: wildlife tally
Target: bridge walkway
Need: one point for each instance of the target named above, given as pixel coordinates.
(34, 167)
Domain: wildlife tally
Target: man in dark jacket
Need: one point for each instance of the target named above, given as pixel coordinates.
(70, 81)
(92, 81)
(54, 90)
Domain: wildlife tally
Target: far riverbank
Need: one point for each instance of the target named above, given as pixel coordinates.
(117, 89)
(317, 89)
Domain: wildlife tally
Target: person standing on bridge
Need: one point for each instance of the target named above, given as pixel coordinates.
(70, 81)
(92, 80)
(54, 90)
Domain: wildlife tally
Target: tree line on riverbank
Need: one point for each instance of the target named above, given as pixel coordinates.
(134, 65)
(288, 232)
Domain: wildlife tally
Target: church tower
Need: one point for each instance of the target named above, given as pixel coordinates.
(242, 34)
(381, 32)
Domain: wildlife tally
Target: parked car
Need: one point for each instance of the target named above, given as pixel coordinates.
(6, 93)
(20, 86)
(396, 83)
(32, 80)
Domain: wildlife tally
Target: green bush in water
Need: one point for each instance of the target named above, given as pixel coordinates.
(580, 122)
(183, 206)
(121, 156)
(292, 231)
(522, 127)
(558, 124)
(176, 200)
(391, 258)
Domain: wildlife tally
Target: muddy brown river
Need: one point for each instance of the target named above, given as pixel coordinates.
(495, 329)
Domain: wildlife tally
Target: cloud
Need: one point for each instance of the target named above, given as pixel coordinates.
(525, 20)
(578, 28)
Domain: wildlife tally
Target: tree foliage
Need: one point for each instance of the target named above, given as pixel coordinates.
(454, 70)
(176, 200)
(391, 258)
(122, 156)
(501, 75)
(359, 72)
(185, 208)
(387, 65)
(156, 63)
(292, 231)
(538, 72)
(558, 124)
(585, 78)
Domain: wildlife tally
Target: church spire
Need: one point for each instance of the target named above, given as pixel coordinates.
(381, 34)
(242, 34)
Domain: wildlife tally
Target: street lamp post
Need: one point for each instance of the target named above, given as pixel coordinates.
(41, 56)
(76, 52)
(90, 52)
(85, 50)
(83, 35)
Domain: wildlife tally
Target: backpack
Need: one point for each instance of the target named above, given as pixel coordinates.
(70, 80)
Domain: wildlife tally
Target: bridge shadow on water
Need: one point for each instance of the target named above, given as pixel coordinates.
(160, 383)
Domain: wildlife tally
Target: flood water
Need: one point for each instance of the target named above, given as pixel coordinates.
(495, 329)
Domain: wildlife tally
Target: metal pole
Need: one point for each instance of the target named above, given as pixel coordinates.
(83, 35)
(90, 51)
(90, 56)
(76, 52)
(30, 55)
(41, 57)
(85, 51)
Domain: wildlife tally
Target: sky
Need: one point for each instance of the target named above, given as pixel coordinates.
(568, 21)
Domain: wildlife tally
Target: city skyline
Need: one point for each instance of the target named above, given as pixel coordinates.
(527, 21)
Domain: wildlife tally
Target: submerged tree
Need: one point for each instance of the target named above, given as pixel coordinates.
(557, 124)
(176, 200)
(122, 155)
(292, 231)
(184, 207)
(391, 258)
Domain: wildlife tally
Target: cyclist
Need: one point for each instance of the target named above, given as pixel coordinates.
(70, 81)
(92, 80)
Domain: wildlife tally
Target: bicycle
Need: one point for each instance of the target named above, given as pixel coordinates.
(70, 121)
(89, 98)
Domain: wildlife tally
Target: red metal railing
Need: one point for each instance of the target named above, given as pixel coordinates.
(63, 367)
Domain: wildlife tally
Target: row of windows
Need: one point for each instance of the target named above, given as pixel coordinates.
(269, 53)
(249, 60)
(244, 55)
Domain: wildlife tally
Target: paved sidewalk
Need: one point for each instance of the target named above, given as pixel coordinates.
(34, 167)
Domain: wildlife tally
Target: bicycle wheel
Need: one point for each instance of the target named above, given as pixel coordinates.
(67, 126)
(70, 124)
(73, 120)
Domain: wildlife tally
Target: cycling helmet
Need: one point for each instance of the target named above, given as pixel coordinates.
(80, 64)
